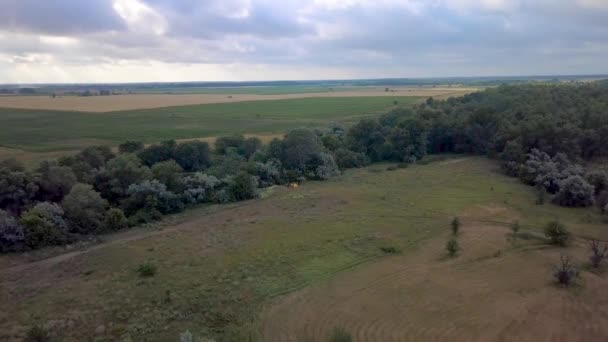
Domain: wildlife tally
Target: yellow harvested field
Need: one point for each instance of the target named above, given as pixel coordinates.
(145, 101)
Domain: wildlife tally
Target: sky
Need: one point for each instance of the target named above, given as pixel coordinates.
(57, 41)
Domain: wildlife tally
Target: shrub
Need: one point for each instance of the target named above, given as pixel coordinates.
(44, 225)
(455, 225)
(269, 173)
(346, 159)
(557, 233)
(389, 249)
(322, 167)
(147, 270)
(11, 233)
(17, 190)
(37, 333)
(115, 220)
(55, 181)
(169, 173)
(152, 195)
(158, 153)
(193, 155)
(84, 209)
(130, 146)
(452, 247)
(242, 187)
(120, 173)
(515, 227)
(575, 191)
(340, 335)
(565, 272)
(598, 254)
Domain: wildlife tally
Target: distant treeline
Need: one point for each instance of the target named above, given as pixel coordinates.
(382, 82)
(538, 132)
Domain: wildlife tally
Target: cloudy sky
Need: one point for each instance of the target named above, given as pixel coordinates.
(209, 40)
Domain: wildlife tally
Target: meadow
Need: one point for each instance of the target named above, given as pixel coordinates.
(363, 251)
(48, 131)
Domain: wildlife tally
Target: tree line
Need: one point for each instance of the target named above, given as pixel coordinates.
(542, 134)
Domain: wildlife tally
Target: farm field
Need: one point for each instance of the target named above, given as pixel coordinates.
(147, 101)
(49, 131)
(300, 262)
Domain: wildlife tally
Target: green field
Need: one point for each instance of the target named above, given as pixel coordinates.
(45, 131)
(219, 266)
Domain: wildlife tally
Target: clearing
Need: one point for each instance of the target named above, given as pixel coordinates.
(299, 262)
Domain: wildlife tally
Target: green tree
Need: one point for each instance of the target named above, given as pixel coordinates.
(168, 173)
(84, 209)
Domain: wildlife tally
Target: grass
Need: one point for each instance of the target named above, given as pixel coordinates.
(46, 131)
(223, 264)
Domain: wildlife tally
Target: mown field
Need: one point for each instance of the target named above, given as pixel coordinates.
(300, 262)
(48, 131)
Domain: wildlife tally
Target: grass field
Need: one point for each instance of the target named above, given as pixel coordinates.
(47, 131)
(299, 262)
(101, 104)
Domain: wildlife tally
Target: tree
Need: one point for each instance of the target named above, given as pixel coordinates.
(366, 137)
(11, 232)
(222, 144)
(115, 220)
(575, 191)
(242, 187)
(346, 159)
(43, 225)
(158, 152)
(168, 173)
(84, 209)
(120, 173)
(557, 233)
(152, 195)
(131, 146)
(250, 146)
(598, 254)
(55, 181)
(193, 155)
(297, 149)
(17, 190)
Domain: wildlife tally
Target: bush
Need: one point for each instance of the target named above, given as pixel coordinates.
(322, 167)
(346, 159)
(200, 188)
(389, 249)
(455, 225)
(115, 220)
(565, 272)
(147, 270)
(598, 254)
(11, 233)
(131, 146)
(152, 195)
(121, 172)
(515, 227)
(452, 247)
(158, 153)
(84, 209)
(340, 335)
(242, 187)
(575, 191)
(55, 181)
(557, 233)
(43, 225)
(269, 173)
(37, 333)
(168, 173)
(193, 155)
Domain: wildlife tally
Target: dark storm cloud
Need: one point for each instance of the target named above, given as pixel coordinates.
(58, 17)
